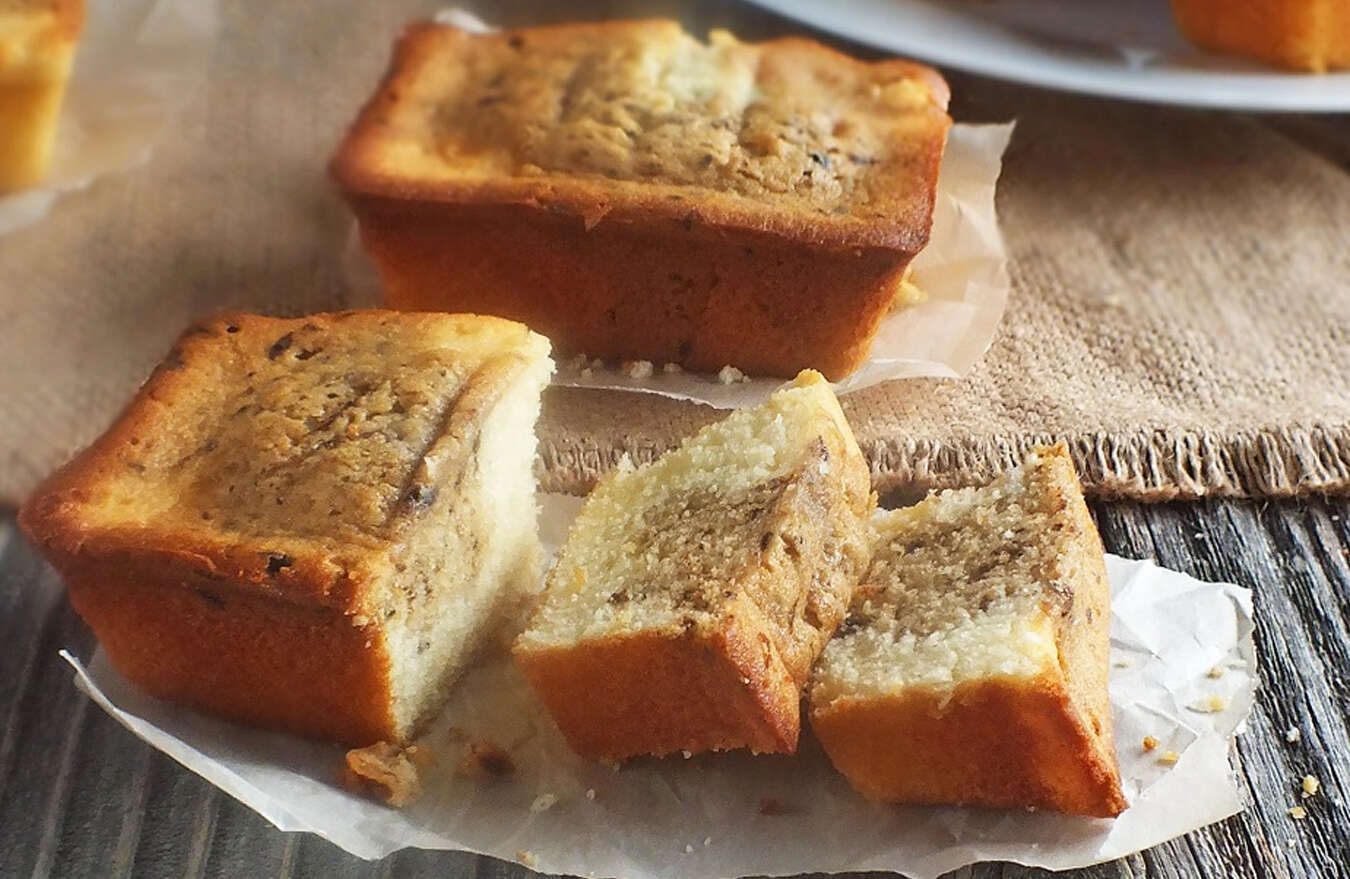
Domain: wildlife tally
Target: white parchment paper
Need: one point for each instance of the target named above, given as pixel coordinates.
(138, 61)
(701, 817)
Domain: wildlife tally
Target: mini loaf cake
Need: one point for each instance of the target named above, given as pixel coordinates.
(693, 594)
(1311, 35)
(37, 43)
(309, 524)
(972, 668)
(636, 194)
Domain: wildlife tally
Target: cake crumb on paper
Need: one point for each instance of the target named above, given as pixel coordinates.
(1293, 734)
(1150, 743)
(1169, 758)
(386, 772)
(1215, 672)
(1209, 705)
(730, 375)
(636, 369)
(1310, 786)
(1298, 813)
(526, 857)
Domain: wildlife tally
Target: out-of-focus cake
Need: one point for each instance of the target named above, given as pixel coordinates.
(693, 594)
(636, 194)
(309, 524)
(37, 43)
(972, 668)
(1312, 35)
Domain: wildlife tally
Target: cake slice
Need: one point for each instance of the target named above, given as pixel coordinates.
(309, 524)
(692, 595)
(37, 43)
(972, 668)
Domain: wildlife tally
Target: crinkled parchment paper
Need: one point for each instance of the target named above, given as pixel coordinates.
(701, 817)
(138, 61)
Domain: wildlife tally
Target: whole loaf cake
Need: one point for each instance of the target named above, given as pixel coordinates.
(634, 193)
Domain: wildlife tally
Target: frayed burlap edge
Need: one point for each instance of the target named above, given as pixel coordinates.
(1157, 466)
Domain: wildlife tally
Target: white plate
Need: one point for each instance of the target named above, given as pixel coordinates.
(1121, 48)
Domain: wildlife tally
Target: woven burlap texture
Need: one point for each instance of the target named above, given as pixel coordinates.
(1180, 313)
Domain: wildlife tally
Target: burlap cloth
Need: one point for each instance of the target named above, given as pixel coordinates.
(1180, 312)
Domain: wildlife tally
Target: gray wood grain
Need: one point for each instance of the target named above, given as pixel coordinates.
(79, 796)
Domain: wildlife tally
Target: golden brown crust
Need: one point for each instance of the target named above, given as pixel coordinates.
(645, 270)
(287, 568)
(674, 293)
(665, 692)
(1084, 632)
(274, 628)
(991, 743)
(1310, 35)
(357, 168)
(200, 642)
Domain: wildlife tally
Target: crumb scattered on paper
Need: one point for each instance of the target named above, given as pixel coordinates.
(1310, 786)
(1169, 758)
(1298, 813)
(1215, 672)
(1150, 743)
(486, 761)
(1209, 705)
(543, 803)
(636, 368)
(385, 772)
(526, 857)
(672, 368)
(730, 375)
(1293, 734)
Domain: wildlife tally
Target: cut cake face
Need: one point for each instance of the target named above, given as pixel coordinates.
(972, 668)
(693, 594)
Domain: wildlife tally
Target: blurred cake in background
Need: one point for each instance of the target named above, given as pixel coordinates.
(37, 43)
(1311, 35)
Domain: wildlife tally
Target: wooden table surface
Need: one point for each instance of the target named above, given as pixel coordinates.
(80, 796)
